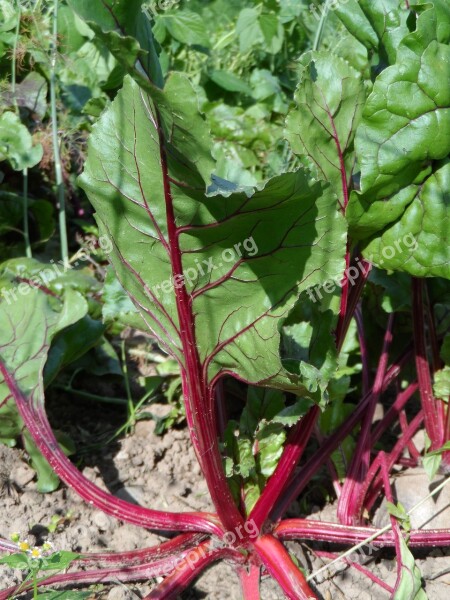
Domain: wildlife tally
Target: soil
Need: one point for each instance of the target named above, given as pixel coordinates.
(162, 472)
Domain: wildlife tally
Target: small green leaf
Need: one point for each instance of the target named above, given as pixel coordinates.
(230, 82)
(441, 387)
(410, 584)
(8, 15)
(16, 144)
(59, 560)
(16, 561)
(187, 27)
(431, 464)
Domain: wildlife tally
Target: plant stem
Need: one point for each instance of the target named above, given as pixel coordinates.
(280, 565)
(434, 422)
(26, 228)
(373, 537)
(250, 582)
(89, 396)
(321, 26)
(347, 504)
(37, 424)
(56, 154)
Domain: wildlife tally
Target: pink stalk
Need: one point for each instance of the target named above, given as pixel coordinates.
(434, 420)
(354, 297)
(373, 484)
(198, 395)
(40, 430)
(335, 533)
(188, 569)
(173, 547)
(293, 451)
(384, 469)
(347, 503)
(250, 582)
(279, 564)
(358, 567)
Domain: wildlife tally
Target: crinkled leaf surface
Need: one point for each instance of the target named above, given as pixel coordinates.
(379, 25)
(406, 120)
(329, 98)
(215, 273)
(418, 243)
(403, 137)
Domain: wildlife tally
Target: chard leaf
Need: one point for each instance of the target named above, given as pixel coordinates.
(417, 243)
(410, 584)
(378, 25)
(210, 276)
(329, 98)
(397, 137)
(401, 146)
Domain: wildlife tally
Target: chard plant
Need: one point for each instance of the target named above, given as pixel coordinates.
(268, 287)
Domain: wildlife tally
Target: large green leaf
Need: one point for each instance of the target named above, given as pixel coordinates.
(402, 212)
(379, 25)
(329, 98)
(406, 120)
(418, 242)
(242, 261)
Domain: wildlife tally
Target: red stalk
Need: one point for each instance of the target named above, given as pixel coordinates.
(279, 564)
(434, 423)
(40, 431)
(250, 582)
(141, 572)
(198, 395)
(391, 459)
(347, 503)
(335, 533)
